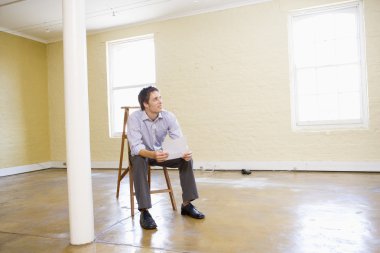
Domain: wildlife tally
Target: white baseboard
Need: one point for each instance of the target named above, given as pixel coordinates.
(24, 168)
(58, 164)
(291, 166)
(94, 165)
(209, 166)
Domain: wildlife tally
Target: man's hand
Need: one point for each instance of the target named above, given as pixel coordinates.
(160, 156)
(187, 156)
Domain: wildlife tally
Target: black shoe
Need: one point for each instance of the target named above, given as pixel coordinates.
(146, 220)
(191, 211)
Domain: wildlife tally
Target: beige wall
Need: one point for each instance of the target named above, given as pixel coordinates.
(56, 102)
(226, 76)
(24, 126)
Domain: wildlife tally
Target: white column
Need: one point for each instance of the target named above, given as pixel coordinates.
(77, 123)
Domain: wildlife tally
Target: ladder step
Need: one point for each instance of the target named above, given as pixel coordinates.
(160, 191)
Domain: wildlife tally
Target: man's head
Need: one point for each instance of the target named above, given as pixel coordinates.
(150, 99)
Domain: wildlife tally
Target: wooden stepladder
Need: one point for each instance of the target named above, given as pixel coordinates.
(123, 172)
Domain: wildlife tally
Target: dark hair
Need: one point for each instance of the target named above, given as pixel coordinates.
(144, 95)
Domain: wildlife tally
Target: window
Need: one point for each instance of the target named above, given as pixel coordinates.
(328, 67)
(131, 67)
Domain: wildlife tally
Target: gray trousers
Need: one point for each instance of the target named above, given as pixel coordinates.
(140, 175)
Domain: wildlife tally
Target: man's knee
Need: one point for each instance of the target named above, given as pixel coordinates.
(140, 165)
(189, 164)
(138, 161)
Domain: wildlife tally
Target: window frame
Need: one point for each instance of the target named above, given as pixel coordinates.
(327, 125)
(110, 94)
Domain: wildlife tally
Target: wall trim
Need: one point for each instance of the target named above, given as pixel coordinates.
(94, 165)
(281, 166)
(292, 166)
(211, 166)
(24, 168)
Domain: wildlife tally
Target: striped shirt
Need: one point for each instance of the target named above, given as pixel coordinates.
(144, 133)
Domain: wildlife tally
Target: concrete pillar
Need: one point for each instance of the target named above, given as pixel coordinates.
(77, 123)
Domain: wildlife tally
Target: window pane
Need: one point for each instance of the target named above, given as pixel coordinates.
(345, 20)
(347, 50)
(305, 55)
(327, 80)
(133, 63)
(349, 106)
(307, 108)
(304, 41)
(306, 82)
(325, 51)
(348, 78)
(304, 28)
(328, 107)
(324, 27)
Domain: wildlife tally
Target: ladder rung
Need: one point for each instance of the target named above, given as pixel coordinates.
(160, 191)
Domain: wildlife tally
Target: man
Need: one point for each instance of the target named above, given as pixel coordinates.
(147, 129)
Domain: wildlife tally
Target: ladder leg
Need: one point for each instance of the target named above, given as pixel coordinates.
(169, 185)
(131, 191)
(119, 177)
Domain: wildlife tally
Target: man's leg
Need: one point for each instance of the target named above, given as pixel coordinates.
(140, 175)
(188, 185)
(186, 177)
(142, 191)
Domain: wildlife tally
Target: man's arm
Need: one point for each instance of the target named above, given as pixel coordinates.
(174, 128)
(159, 156)
(134, 135)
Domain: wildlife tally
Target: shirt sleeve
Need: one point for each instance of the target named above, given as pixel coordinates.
(174, 128)
(134, 135)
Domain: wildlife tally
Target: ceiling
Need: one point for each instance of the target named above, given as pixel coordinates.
(41, 20)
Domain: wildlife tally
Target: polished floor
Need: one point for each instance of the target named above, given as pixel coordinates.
(295, 212)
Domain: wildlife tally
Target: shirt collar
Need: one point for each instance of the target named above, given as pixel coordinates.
(144, 116)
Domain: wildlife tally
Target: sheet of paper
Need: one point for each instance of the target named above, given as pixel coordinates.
(176, 148)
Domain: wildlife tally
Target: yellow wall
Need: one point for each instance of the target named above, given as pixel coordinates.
(24, 125)
(226, 76)
(56, 102)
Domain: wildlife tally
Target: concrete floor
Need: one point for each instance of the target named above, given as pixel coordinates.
(294, 212)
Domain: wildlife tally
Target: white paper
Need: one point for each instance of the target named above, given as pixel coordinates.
(175, 147)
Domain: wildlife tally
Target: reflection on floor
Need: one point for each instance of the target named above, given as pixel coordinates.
(293, 212)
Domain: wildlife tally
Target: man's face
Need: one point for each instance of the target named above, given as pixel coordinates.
(154, 104)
